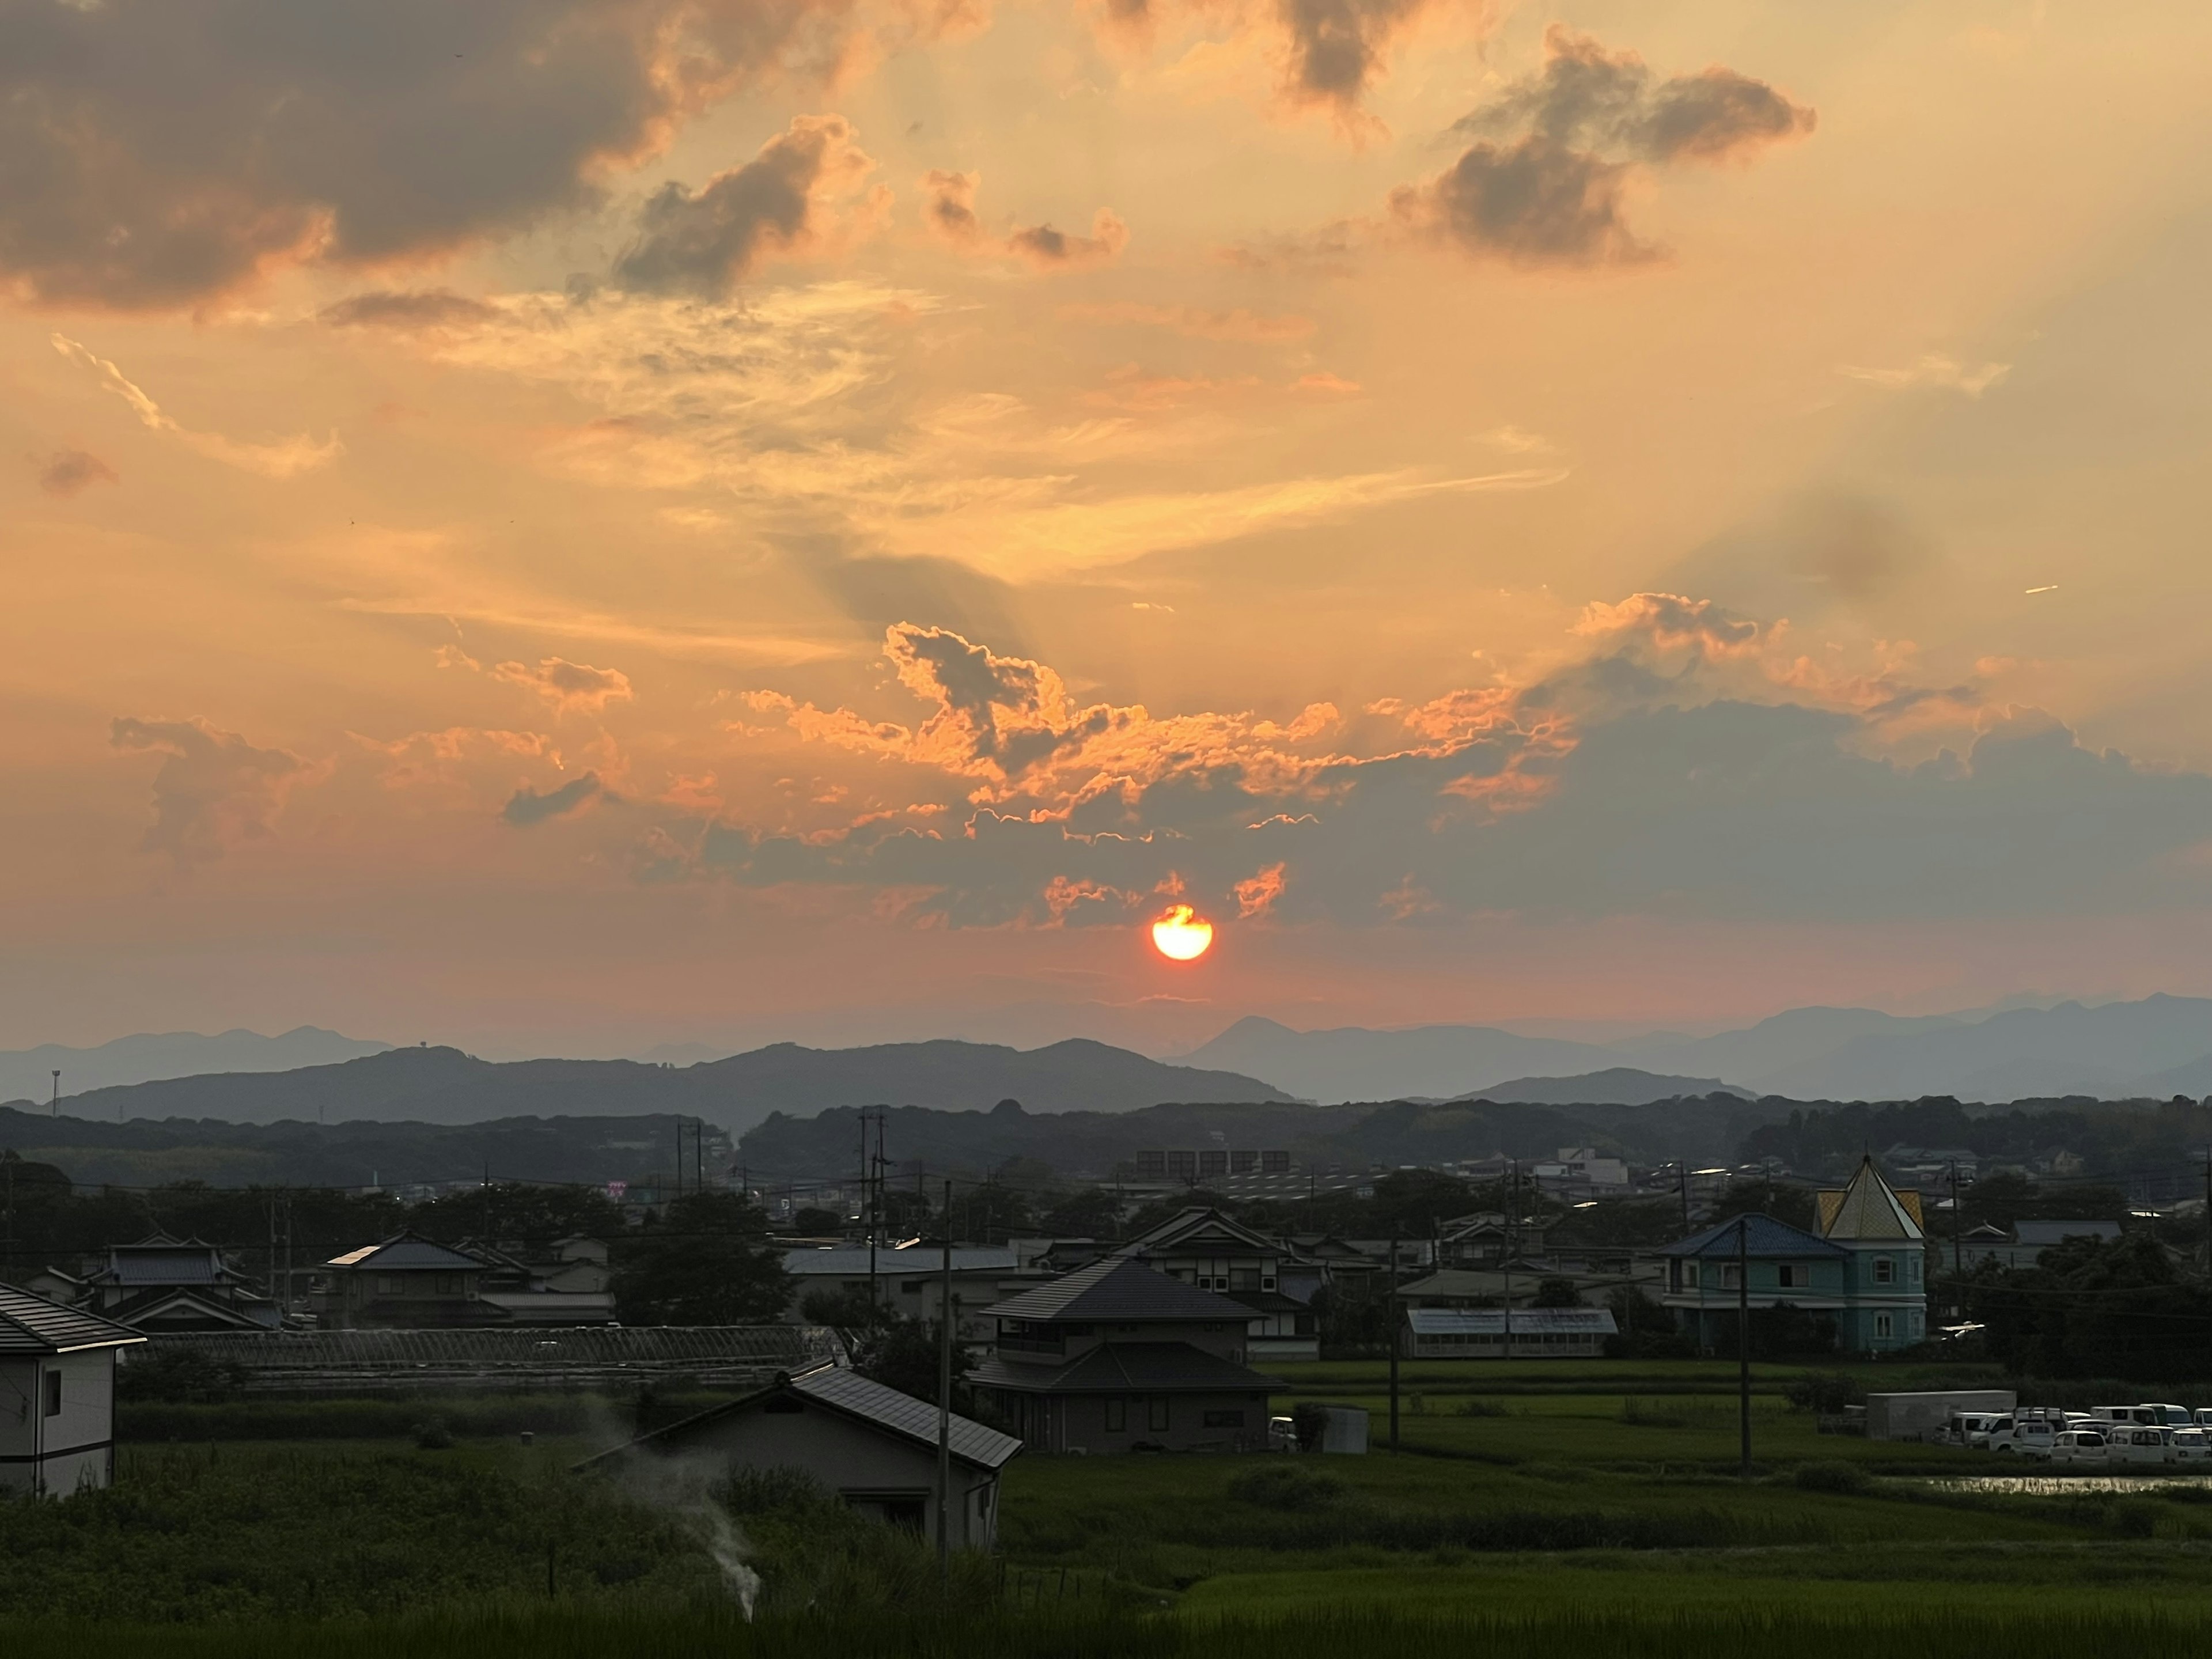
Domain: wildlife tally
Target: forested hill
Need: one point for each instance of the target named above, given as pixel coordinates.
(444, 1085)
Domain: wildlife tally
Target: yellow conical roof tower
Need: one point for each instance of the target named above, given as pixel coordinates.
(1869, 1208)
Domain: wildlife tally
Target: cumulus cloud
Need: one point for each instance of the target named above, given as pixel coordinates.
(1328, 53)
(156, 153)
(788, 197)
(284, 459)
(213, 791)
(949, 209)
(526, 807)
(1687, 760)
(1544, 182)
(567, 685)
(422, 757)
(66, 472)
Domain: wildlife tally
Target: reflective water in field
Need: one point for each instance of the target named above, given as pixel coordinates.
(2046, 1484)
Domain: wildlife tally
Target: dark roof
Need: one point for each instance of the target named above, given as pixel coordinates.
(31, 1324)
(406, 1253)
(851, 1394)
(1127, 1368)
(1116, 1288)
(169, 1264)
(1763, 1236)
(1180, 1228)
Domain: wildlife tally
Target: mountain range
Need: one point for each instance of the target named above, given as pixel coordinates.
(444, 1085)
(29, 1074)
(2155, 1048)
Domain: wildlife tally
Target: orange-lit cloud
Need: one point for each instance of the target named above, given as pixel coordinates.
(569, 685)
(949, 209)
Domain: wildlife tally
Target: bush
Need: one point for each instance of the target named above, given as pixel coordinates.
(1309, 1422)
(1834, 1475)
(183, 1374)
(1825, 1392)
(431, 1435)
(1482, 1408)
(2133, 1517)
(1287, 1487)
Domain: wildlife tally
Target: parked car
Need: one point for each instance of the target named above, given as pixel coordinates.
(2029, 1437)
(2078, 1446)
(2190, 1445)
(2204, 1417)
(1971, 1429)
(2173, 1417)
(1282, 1434)
(2137, 1444)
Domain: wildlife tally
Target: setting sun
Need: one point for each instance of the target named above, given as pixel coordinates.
(1180, 935)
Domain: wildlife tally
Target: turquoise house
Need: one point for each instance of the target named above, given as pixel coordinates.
(1866, 1269)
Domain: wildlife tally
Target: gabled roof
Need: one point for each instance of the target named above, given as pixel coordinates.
(406, 1253)
(1129, 1368)
(1527, 1322)
(1118, 1288)
(31, 1324)
(1869, 1208)
(849, 1394)
(1763, 1236)
(161, 1260)
(1186, 1227)
(163, 1306)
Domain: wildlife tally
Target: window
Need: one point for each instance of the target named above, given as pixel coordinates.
(1793, 1276)
(1225, 1419)
(1882, 1325)
(1156, 1416)
(1885, 1271)
(54, 1394)
(1117, 1414)
(387, 1284)
(1731, 1276)
(1244, 1278)
(1689, 1275)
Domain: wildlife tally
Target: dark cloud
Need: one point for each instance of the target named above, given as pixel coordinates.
(526, 807)
(1336, 45)
(1534, 203)
(435, 308)
(154, 153)
(213, 791)
(949, 208)
(1542, 184)
(701, 242)
(568, 684)
(1050, 250)
(66, 472)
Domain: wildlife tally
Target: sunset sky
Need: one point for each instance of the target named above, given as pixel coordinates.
(563, 525)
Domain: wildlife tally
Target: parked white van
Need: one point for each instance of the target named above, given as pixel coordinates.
(2190, 1445)
(2126, 1415)
(2078, 1446)
(2137, 1444)
(2173, 1417)
(2025, 1436)
(1972, 1428)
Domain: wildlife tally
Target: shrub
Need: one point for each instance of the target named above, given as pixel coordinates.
(1832, 1475)
(1287, 1487)
(1481, 1408)
(431, 1434)
(1309, 1422)
(2133, 1517)
(1825, 1392)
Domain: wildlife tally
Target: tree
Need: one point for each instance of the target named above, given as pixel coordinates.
(1093, 1213)
(903, 1354)
(1556, 1293)
(815, 1222)
(704, 1260)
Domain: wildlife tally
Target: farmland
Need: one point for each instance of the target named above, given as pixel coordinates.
(1591, 1509)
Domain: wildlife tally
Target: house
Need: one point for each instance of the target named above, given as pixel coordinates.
(1864, 1268)
(1119, 1356)
(1496, 1334)
(872, 1445)
(1203, 1246)
(58, 1372)
(406, 1283)
(162, 1285)
(2022, 1244)
(570, 1289)
(1514, 1284)
(907, 1281)
(1486, 1240)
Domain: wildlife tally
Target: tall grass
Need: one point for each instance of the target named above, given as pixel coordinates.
(2032, 1632)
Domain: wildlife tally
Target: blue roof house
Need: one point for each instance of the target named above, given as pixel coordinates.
(1865, 1268)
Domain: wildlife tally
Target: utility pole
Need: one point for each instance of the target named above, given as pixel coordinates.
(1743, 1331)
(1394, 1342)
(945, 1397)
(54, 1108)
(1682, 1179)
(1959, 1221)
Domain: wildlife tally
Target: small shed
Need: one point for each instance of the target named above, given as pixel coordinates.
(1496, 1334)
(872, 1445)
(57, 1395)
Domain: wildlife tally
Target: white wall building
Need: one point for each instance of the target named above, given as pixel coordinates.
(57, 1395)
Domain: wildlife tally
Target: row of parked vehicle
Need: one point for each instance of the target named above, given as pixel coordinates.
(2108, 1435)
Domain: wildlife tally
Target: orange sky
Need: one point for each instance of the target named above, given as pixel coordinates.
(569, 525)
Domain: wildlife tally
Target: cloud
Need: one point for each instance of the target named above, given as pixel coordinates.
(157, 154)
(429, 308)
(422, 757)
(285, 458)
(526, 807)
(949, 209)
(1197, 323)
(785, 198)
(1336, 46)
(569, 685)
(213, 790)
(66, 472)
(1544, 184)
(1257, 893)
(1944, 374)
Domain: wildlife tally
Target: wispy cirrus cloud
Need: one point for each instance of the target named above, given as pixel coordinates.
(285, 458)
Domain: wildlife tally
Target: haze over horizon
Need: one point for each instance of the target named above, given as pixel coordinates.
(602, 525)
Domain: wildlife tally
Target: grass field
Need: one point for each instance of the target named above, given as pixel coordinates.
(1532, 1507)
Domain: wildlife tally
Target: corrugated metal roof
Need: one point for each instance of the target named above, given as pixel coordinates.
(898, 1264)
(1764, 1237)
(31, 1324)
(165, 1267)
(1127, 1368)
(1115, 1288)
(1527, 1322)
(849, 1391)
